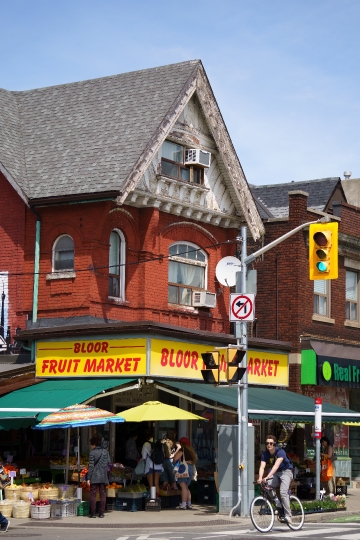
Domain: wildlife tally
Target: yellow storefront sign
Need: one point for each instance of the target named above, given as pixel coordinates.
(128, 357)
(271, 369)
(93, 358)
(183, 360)
(177, 359)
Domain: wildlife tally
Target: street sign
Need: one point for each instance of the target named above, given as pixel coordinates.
(318, 418)
(242, 307)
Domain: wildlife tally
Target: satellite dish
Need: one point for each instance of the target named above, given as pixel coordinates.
(226, 270)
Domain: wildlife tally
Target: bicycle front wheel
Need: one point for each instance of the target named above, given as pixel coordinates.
(262, 514)
(297, 512)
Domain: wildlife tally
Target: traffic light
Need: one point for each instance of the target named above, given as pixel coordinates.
(211, 374)
(234, 373)
(323, 250)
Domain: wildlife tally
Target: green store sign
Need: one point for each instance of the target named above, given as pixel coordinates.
(329, 371)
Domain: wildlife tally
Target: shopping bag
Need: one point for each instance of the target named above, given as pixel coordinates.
(181, 469)
(326, 469)
(140, 468)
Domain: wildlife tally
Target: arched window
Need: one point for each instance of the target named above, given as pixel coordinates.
(117, 265)
(187, 272)
(63, 254)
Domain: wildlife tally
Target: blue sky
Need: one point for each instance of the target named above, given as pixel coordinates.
(285, 73)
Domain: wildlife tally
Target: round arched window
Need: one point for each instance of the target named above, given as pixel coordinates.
(63, 254)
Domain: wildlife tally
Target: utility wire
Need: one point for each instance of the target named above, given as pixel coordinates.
(94, 269)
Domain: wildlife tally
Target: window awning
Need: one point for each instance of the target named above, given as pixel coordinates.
(268, 403)
(54, 394)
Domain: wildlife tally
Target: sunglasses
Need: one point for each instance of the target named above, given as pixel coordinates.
(269, 442)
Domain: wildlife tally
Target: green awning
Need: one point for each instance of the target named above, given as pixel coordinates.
(268, 403)
(54, 394)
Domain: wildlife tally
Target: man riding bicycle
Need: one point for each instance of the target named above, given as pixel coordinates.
(281, 472)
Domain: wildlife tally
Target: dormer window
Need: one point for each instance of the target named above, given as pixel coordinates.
(172, 164)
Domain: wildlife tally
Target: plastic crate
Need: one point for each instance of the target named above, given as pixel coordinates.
(110, 504)
(152, 505)
(206, 498)
(63, 508)
(129, 505)
(341, 490)
(206, 486)
(83, 508)
(170, 501)
(129, 495)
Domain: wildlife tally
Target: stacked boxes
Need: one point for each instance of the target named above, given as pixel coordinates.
(206, 492)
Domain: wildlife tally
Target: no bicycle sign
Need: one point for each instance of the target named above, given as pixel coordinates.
(242, 307)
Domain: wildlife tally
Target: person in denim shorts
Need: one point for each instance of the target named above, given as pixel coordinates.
(188, 454)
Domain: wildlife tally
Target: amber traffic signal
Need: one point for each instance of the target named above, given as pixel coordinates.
(211, 374)
(323, 251)
(234, 373)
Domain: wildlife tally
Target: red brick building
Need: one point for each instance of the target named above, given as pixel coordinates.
(321, 319)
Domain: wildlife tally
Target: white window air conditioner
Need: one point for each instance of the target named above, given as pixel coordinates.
(197, 157)
(203, 299)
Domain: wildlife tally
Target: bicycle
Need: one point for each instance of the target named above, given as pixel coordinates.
(263, 509)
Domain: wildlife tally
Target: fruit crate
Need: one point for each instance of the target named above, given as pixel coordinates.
(129, 505)
(39, 512)
(83, 508)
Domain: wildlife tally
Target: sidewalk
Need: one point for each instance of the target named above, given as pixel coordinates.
(173, 518)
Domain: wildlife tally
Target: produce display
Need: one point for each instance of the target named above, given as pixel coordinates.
(134, 488)
(44, 502)
(60, 463)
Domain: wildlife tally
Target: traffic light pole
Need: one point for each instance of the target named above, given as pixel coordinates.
(242, 342)
(243, 389)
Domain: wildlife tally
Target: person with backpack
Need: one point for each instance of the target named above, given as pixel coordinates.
(153, 455)
(280, 473)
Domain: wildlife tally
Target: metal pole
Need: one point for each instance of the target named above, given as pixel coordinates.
(67, 455)
(238, 505)
(244, 391)
(318, 467)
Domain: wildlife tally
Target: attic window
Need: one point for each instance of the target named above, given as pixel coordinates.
(172, 164)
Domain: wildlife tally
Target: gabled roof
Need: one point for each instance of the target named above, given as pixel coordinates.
(273, 200)
(99, 136)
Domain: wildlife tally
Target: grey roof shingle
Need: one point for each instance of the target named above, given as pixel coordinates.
(273, 200)
(85, 137)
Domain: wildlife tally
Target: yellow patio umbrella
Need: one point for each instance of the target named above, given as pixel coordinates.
(153, 411)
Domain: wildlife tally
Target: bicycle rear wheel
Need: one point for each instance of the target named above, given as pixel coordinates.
(262, 514)
(297, 512)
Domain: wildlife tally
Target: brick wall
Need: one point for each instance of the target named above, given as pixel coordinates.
(285, 299)
(148, 234)
(12, 238)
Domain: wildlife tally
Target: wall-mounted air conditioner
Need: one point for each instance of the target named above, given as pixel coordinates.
(197, 157)
(203, 299)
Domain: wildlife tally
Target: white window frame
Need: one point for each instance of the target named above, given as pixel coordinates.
(203, 264)
(351, 300)
(353, 266)
(323, 317)
(61, 271)
(122, 261)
